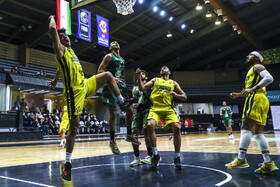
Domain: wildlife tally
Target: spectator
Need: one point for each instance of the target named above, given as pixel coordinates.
(200, 128)
(24, 106)
(17, 103)
(33, 108)
(45, 110)
(53, 127)
(45, 126)
(183, 127)
(84, 112)
(56, 110)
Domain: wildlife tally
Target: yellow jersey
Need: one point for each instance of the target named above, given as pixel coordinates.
(160, 95)
(70, 71)
(252, 79)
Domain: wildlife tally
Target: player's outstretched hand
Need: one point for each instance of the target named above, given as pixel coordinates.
(234, 95)
(52, 84)
(118, 80)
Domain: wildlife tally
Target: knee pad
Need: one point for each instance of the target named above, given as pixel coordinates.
(262, 142)
(245, 139)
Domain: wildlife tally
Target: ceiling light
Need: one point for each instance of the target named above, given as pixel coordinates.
(206, 1)
(208, 14)
(191, 31)
(155, 8)
(219, 12)
(225, 18)
(198, 7)
(29, 26)
(1, 17)
(141, 1)
(169, 34)
(218, 22)
(239, 31)
(183, 26)
(170, 18)
(234, 27)
(162, 13)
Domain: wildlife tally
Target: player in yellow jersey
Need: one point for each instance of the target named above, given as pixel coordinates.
(254, 114)
(76, 86)
(163, 90)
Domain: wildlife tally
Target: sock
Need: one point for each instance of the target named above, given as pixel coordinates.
(155, 152)
(112, 135)
(120, 99)
(136, 153)
(68, 157)
(129, 130)
(61, 141)
(241, 155)
(266, 158)
(263, 145)
(177, 155)
(150, 151)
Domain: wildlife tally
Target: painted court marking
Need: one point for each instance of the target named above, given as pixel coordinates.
(238, 139)
(229, 177)
(24, 181)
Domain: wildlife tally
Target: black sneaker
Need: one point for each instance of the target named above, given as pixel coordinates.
(133, 139)
(177, 163)
(66, 174)
(155, 160)
(127, 103)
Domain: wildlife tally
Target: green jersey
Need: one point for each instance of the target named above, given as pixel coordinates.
(143, 99)
(116, 67)
(226, 113)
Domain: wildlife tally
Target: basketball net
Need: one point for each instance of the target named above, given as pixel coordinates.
(124, 7)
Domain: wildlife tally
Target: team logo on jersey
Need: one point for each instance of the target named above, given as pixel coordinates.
(170, 82)
(103, 26)
(163, 83)
(247, 78)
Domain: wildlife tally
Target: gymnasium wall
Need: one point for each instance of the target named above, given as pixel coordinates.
(37, 57)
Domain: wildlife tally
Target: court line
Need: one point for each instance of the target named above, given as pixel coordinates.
(229, 177)
(24, 181)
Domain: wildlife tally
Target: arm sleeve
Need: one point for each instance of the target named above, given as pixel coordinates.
(267, 79)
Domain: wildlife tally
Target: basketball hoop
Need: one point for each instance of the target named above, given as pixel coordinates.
(124, 7)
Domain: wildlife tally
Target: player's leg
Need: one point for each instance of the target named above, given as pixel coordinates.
(152, 134)
(107, 78)
(268, 165)
(112, 119)
(136, 161)
(74, 124)
(230, 129)
(148, 158)
(247, 128)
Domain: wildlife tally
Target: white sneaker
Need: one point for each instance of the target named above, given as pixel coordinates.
(147, 160)
(231, 136)
(135, 162)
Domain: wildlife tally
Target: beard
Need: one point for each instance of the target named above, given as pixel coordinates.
(251, 61)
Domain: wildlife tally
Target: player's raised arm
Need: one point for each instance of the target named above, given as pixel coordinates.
(179, 93)
(142, 86)
(57, 46)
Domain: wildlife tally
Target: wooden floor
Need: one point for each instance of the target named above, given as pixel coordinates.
(21, 153)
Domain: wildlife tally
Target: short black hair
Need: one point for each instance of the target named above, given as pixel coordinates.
(62, 30)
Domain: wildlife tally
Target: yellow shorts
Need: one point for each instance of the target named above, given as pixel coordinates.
(64, 121)
(75, 100)
(256, 108)
(168, 117)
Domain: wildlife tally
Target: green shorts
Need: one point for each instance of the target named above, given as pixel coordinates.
(108, 97)
(140, 119)
(227, 122)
